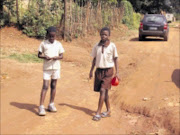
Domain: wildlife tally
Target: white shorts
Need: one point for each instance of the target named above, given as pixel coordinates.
(51, 74)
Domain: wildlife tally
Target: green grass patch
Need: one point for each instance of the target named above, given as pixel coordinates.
(26, 58)
(174, 24)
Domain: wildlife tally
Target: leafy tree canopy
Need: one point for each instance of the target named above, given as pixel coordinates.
(155, 6)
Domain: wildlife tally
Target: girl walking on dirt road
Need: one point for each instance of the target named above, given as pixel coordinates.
(51, 51)
(105, 57)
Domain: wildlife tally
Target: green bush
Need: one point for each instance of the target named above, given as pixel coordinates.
(127, 13)
(4, 20)
(177, 16)
(130, 18)
(35, 23)
(9, 13)
(106, 14)
(36, 20)
(136, 20)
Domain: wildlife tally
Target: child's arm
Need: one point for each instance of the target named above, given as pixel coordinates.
(92, 68)
(58, 57)
(40, 55)
(116, 67)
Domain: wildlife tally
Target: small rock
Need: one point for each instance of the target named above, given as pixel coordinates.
(165, 99)
(176, 104)
(146, 99)
(85, 80)
(153, 133)
(170, 104)
(4, 76)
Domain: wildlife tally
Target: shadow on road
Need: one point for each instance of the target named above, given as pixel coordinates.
(86, 110)
(29, 107)
(146, 39)
(176, 77)
(134, 39)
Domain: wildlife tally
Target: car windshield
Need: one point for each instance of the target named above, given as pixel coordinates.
(155, 19)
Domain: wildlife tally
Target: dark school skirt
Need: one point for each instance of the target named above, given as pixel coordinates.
(103, 78)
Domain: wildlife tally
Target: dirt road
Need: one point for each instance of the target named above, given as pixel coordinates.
(146, 101)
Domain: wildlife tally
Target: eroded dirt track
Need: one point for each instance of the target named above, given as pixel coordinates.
(146, 101)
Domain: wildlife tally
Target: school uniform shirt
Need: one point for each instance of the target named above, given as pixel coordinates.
(104, 59)
(51, 50)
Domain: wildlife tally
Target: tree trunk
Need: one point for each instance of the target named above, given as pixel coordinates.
(85, 28)
(29, 3)
(17, 12)
(61, 24)
(67, 36)
(98, 16)
(65, 19)
(70, 12)
(81, 17)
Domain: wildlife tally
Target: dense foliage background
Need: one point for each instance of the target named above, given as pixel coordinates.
(75, 18)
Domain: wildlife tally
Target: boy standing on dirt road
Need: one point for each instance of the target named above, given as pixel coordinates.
(105, 57)
(51, 51)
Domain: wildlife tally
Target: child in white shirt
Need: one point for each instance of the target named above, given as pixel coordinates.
(51, 51)
(105, 57)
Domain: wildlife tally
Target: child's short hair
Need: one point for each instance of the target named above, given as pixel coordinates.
(51, 29)
(105, 29)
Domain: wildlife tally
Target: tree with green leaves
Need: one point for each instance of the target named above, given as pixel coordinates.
(175, 6)
(151, 6)
(77, 18)
(8, 11)
(39, 17)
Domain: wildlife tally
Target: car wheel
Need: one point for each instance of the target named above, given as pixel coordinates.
(141, 38)
(165, 38)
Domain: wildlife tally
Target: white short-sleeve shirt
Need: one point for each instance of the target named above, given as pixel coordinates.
(51, 50)
(105, 59)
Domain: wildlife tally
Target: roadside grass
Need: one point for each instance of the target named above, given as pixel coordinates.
(174, 24)
(25, 58)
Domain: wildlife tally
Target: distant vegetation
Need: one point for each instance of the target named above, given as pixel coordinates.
(75, 18)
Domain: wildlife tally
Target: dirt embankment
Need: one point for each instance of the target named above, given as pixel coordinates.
(152, 89)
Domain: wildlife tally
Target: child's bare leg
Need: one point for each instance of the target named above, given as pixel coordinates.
(53, 90)
(44, 91)
(101, 100)
(107, 102)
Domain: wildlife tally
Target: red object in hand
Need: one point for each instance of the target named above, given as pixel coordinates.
(115, 81)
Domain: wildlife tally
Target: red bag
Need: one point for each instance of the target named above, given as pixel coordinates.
(115, 81)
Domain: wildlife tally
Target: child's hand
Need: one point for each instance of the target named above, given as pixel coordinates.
(118, 76)
(90, 74)
(47, 58)
(55, 58)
